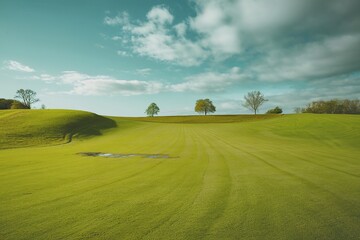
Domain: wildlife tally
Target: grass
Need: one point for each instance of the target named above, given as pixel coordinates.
(43, 127)
(264, 177)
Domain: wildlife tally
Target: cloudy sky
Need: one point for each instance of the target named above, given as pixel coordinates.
(115, 57)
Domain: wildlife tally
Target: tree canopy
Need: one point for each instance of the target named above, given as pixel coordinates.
(204, 106)
(253, 100)
(152, 110)
(334, 106)
(27, 97)
(276, 110)
(11, 104)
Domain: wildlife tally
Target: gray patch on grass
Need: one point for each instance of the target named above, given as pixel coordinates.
(120, 155)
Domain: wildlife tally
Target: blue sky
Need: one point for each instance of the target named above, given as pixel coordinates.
(116, 57)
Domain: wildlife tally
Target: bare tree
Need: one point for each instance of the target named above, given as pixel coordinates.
(298, 110)
(253, 100)
(27, 96)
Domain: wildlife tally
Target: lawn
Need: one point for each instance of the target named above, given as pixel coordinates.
(227, 177)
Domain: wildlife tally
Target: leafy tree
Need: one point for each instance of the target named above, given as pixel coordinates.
(334, 106)
(18, 105)
(253, 100)
(27, 96)
(275, 110)
(43, 106)
(152, 110)
(204, 106)
(11, 104)
(5, 103)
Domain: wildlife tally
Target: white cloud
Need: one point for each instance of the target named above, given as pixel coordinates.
(215, 23)
(16, 66)
(143, 71)
(209, 81)
(180, 29)
(120, 19)
(330, 57)
(84, 84)
(44, 77)
(160, 15)
(155, 38)
(116, 38)
(104, 86)
(123, 53)
(263, 29)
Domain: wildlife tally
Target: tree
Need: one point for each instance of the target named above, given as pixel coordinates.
(298, 110)
(152, 110)
(27, 96)
(204, 106)
(18, 105)
(11, 104)
(334, 106)
(253, 100)
(275, 110)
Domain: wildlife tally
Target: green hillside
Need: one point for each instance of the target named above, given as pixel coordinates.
(20, 128)
(235, 177)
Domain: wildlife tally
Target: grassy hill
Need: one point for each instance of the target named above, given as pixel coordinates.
(22, 128)
(263, 177)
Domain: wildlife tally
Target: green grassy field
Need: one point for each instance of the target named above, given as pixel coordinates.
(229, 177)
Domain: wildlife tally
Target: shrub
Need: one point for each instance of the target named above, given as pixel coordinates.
(275, 110)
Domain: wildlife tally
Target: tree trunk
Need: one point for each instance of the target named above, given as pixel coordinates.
(255, 111)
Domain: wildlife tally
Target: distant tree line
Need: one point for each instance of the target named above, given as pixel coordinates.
(334, 106)
(253, 100)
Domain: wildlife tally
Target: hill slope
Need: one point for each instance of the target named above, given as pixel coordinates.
(21, 128)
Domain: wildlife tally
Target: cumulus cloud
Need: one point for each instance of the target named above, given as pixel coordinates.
(209, 81)
(279, 39)
(160, 15)
(16, 66)
(157, 39)
(85, 84)
(218, 32)
(329, 57)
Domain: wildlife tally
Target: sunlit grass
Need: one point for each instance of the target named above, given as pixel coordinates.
(236, 177)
